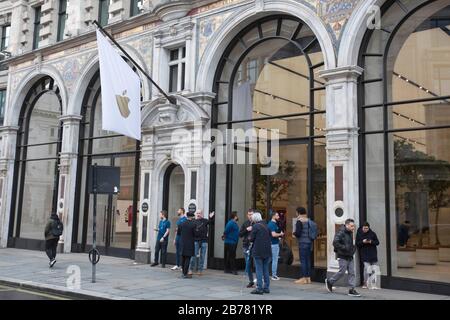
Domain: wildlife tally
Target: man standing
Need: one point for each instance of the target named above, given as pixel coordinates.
(53, 230)
(367, 242)
(201, 240)
(276, 234)
(181, 219)
(162, 239)
(244, 233)
(345, 249)
(403, 234)
(187, 233)
(305, 232)
(260, 238)
(231, 238)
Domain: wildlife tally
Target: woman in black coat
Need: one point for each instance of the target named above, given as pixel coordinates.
(187, 243)
(367, 242)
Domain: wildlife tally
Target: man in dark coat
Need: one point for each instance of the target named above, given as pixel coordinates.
(52, 232)
(261, 239)
(367, 242)
(345, 249)
(201, 241)
(187, 243)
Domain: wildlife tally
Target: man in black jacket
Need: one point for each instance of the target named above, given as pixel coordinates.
(367, 242)
(345, 249)
(201, 240)
(187, 230)
(52, 232)
(244, 233)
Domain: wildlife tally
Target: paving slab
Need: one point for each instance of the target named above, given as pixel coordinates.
(119, 278)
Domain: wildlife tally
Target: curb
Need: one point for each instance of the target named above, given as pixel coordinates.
(76, 294)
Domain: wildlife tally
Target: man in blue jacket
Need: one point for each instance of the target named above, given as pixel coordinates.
(231, 238)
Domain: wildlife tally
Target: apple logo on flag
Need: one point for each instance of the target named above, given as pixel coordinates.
(122, 103)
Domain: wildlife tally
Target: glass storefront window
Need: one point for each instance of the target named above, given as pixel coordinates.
(39, 147)
(272, 90)
(406, 157)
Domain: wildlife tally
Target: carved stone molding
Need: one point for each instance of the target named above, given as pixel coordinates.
(338, 154)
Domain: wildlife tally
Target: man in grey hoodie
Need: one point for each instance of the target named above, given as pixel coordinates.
(305, 232)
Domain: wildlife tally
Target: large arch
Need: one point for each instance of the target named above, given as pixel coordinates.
(89, 70)
(14, 108)
(224, 35)
(354, 32)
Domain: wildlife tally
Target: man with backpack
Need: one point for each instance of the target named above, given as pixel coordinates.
(53, 230)
(345, 249)
(306, 233)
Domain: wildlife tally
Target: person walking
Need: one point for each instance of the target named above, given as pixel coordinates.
(181, 219)
(187, 246)
(367, 242)
(162, 239)
(260, 237)
(231, 238)
(201, 241)
(276, 234)
(244, 233)
(53, 230)
(345, 249)
(306, 233)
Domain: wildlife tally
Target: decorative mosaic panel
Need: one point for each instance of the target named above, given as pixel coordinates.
(207, 27)
(335, 13)
(144, 45)
(70, 69)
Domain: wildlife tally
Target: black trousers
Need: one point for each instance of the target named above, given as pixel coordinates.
(230, 257)
(161, 246)
(185, 262)
(50, 248)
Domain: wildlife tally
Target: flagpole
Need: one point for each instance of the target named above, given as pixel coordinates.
(170, 99)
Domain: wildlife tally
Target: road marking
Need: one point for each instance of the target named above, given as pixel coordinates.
(45, 295)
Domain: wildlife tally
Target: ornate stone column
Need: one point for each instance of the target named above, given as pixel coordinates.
(8, 136)
(145, 223)
(342, 152)
(68, 176)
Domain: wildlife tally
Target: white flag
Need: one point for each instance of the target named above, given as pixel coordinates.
(121, 92)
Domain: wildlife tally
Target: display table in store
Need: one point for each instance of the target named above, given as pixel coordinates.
(427, 255)
(406, 257)
(444, 253)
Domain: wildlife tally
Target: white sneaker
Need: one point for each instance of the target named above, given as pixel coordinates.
(275, 278)
(174, 268)
(255, 280)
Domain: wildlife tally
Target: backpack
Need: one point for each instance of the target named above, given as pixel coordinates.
(312, 230)
(286, 256)
(57, 228)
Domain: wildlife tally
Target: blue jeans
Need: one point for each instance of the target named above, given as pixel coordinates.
(178, 250)
(275, 253)
(305, 259)
(248, 264)
(262, 271)
(198, 246)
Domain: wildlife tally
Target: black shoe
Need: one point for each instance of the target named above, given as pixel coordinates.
(154, 264)
(328, 285)
(251, 285)
(163, 266)
(266, 290)
(227, 271)
(256, 291)
(52, 263)
(353, 293)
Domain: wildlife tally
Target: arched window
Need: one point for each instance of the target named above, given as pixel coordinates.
(267, 79)
(405, 133)
(116, 215)
(36, 168)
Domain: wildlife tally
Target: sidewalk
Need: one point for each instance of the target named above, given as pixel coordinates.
(123, 279)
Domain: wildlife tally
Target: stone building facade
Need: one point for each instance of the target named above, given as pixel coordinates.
(358, 90)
